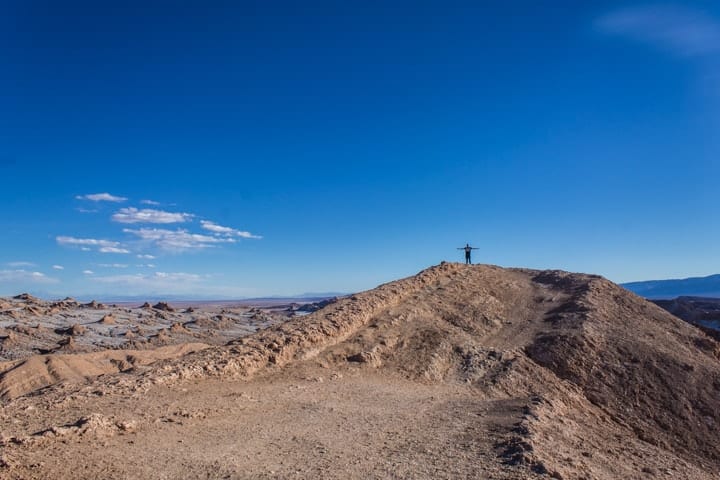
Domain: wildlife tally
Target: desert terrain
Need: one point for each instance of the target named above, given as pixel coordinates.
(702, 312)
(461, 371)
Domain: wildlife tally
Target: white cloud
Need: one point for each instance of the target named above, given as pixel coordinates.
(87, 210)
(145, 265)
(88, 272)
(113, 250)
(104, 246)
(58, 267)
(177, 240)
(24, 276)
(680, 30)
(226, 231)
(150, 202)
(149, 215)
(94, 242)
(101, 197)
(178, 276)
(216, 228)
(146, 256)
(20, 264)
(112, 265)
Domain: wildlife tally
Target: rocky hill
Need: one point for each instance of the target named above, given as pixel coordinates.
(458, 372)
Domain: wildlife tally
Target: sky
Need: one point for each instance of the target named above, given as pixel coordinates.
(253, 148)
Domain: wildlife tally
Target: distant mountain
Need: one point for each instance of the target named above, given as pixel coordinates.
(701, 312)
(665, 289)
(158, 297)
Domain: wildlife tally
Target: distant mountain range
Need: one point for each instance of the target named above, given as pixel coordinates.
(667, 289)
(157, 297)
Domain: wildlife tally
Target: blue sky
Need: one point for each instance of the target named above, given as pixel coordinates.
(233, 149)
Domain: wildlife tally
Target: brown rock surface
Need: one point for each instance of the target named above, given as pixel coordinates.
(26, 297)
(20, 378)
(164, 306)
(458, 372)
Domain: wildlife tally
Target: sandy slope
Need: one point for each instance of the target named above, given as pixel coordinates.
(458, 372)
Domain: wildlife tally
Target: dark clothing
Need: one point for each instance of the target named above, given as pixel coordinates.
(468, 250)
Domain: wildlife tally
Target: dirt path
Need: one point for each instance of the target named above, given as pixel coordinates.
(350, 427)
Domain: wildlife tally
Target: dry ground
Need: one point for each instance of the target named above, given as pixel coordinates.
(458, 372)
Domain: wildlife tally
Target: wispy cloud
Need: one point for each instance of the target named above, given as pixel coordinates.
(150, 202)
(94, 242)
(145, 265)
(679, 30)
(103, 246)
(20, 264)
(88, 272)
(149, 215)
(177, 240)
(24, 276)
(146, 256)
(58, 267)
(101, 197)
(112, 265)
(113, 250)
(153, 282)
(226, 231)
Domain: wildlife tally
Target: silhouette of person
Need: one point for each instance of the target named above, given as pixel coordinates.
(468, 249)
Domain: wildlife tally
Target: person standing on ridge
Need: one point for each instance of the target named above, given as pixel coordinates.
(468, 249)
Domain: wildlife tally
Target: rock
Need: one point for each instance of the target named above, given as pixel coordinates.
(315, 306)
(65, 303)
(178, 327)
(8, 337)
(77, 329)
(27, 298)
(35, 311)
(74, 329)
(67, 344)
(94, 305)
(163, 306)
(370, 358)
